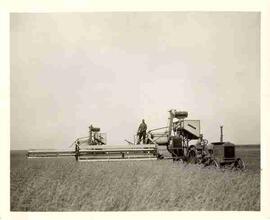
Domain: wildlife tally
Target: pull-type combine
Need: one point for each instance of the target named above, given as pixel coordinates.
(176, 137)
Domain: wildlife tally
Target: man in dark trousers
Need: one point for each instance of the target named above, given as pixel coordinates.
(142, 132)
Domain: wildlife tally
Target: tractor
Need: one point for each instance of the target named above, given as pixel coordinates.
(224, 155)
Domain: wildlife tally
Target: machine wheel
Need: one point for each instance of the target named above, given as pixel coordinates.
(214, 163)
(239, 164)
(192, 157)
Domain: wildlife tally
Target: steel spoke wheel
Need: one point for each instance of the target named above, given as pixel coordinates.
(239, 164)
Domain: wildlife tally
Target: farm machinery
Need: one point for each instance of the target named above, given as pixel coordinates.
(94, 148)
(178, 138)
(180, 132)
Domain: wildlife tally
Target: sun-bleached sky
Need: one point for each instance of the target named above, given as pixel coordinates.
(70, 70)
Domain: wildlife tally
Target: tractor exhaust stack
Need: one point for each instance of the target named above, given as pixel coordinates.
(221, 133)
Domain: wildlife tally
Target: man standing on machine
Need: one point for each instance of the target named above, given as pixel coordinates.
(142, 132)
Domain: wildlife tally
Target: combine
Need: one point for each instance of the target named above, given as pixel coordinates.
(177, 138)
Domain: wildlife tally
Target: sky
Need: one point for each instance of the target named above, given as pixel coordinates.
(113, 69)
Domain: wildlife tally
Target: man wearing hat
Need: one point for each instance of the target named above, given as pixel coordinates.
(142, 132)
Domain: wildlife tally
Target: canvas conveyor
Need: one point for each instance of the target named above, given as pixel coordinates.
(102, 153)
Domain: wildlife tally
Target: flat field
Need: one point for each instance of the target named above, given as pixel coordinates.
(62, 184)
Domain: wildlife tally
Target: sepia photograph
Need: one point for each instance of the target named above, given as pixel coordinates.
(135, 111)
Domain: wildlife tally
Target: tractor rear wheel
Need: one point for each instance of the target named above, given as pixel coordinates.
(239, 164)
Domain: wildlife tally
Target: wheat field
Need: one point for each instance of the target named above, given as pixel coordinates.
(62, 184)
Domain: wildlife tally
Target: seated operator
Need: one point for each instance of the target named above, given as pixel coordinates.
(142, 132)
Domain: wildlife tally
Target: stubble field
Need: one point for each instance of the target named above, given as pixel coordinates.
(62, 184)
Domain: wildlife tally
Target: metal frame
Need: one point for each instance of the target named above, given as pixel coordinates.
(101, 152)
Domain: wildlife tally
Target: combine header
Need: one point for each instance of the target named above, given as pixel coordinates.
(94, 148)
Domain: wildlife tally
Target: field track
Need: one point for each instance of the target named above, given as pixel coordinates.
(61, 184)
